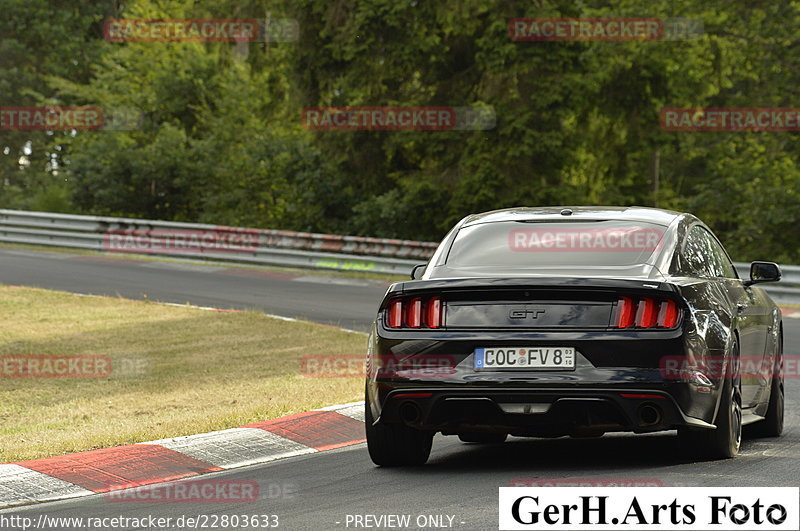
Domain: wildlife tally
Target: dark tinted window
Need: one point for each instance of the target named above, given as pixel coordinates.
(515, 244)
(720, 263)
(703, 256)
(693, 261)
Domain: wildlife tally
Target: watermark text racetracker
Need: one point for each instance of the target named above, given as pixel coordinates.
(219, 240)
(354, 366)
(396, 118)
(705, 370)
(634, 239)
(730, 119)
(604, 29)
(50, 118)
(720, 508)
(202, 491)
(71, 366)
(200, 30)
(54, 366)
(61, 118)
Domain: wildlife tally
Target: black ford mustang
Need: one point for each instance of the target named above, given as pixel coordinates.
(555, 321)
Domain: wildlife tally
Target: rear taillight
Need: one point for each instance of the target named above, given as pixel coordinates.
(626, 310)
(414, 315)
(646, 312)
(416, 312)
(433, 313)
(394, 317)
(668, 314)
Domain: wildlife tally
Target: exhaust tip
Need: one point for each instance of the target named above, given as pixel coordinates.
(649, 415)
(410, 413)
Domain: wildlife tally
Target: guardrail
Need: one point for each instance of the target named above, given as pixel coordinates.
(252, 246)
(213, 242)
(787, 290)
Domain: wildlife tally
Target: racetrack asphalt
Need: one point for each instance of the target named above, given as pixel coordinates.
(345, 302)
(460, 480)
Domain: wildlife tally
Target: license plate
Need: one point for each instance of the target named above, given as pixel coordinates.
(525, 358)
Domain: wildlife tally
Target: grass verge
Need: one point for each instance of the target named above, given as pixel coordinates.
(175, 371)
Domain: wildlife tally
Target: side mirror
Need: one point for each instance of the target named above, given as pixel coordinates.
(416, 272)
(763, 272)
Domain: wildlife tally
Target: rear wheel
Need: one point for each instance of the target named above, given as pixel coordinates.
(483, 438)
(396, 444)
(723, 442)
(772, 425)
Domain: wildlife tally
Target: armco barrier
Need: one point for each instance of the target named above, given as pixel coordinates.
(271, 247)
(265, 247)
(786, 291)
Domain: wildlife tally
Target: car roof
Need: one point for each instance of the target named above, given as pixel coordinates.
(579, 213)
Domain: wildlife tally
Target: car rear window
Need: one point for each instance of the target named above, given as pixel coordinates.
(511, 244)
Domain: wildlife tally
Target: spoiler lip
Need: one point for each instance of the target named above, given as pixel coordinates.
(566, 284)
(532, 283)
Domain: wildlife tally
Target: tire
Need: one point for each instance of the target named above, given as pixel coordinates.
(396, 444)
(483, 437)
(723, 442)
(772, 425)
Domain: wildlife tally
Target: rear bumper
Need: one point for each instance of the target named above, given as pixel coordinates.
(543, 412)
(588, 399)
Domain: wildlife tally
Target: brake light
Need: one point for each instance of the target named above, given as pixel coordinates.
(625, 312)
(395, 318)
(668, 314)
(647, 312)
(415, 313)
(433, 313)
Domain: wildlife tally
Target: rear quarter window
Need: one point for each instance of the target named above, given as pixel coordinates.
(703, 256)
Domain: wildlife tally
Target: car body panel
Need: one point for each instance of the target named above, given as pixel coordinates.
(571, 307)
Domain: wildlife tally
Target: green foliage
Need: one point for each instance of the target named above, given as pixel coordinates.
(219, 136)
(41, 38)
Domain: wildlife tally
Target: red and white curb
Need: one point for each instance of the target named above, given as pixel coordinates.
(110, 469)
